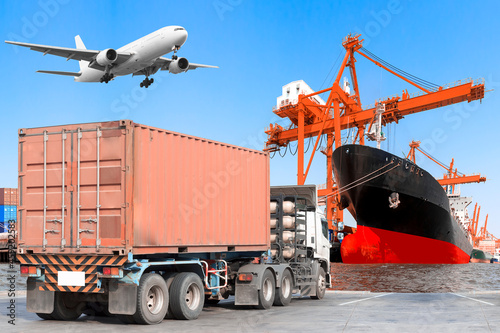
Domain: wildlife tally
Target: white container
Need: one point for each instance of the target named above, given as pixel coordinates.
(288, 252)
(288, 207)
(273, 206)
(288, 236)
(288, 222)
(273, 238)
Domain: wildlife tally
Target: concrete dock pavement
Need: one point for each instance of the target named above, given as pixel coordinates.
(337, 312)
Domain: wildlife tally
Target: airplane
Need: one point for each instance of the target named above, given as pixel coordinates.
(141, 57)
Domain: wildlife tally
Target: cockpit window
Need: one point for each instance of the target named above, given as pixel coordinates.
(178, 29)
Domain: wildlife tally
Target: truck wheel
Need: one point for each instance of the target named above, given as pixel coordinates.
(169, 278)
(320, 284)
(266, 292)
(65, 308)
(45, 316)
(283, 295)
(152, 299)
(187, 296)
(97, 309)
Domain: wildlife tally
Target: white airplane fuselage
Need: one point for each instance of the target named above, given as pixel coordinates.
(144, 53)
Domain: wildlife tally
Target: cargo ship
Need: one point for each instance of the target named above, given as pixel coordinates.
(480, 256)
(403, 214)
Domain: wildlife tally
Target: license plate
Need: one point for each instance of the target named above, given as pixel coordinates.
(71, 279)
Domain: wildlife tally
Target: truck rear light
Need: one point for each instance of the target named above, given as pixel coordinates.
(28, 270)
(245, 277)
(111, 271)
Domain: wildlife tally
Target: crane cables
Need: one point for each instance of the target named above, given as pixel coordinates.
(331, 69)
(428, 85)
(289, 147)
(279, 151)
(442, 164)
(355, 183)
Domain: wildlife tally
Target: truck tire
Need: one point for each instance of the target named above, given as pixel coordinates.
(169, 278)
(97, 309)
(320, 284)
(187, 298)
(45, 316)
(283, 295)
(267, 290)
(65, 308)
(152, 300)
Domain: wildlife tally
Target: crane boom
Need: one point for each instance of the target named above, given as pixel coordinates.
(462, 180)
(451, 178)
(396, 109)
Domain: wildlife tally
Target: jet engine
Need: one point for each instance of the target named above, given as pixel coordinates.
(106, 57)
(178, 66)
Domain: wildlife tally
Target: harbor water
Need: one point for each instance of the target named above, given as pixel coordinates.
(410, 278)
(397, 278)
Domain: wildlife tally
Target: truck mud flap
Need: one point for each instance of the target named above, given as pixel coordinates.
(38, 301)
(247, 293)
(122, 298)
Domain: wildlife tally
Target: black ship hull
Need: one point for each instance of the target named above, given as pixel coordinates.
(402, 212)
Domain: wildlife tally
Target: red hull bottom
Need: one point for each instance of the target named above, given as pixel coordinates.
(374, 246)
(479, 261)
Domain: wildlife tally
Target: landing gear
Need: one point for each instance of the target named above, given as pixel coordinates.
(175, 48)
(147, 82)
(107, 77)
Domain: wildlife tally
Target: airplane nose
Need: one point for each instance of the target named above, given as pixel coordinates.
(183, 35)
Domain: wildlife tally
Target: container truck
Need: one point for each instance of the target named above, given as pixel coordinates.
(146, 224)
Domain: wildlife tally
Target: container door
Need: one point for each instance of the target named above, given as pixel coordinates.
(100, 189)
(44, 161)
(72, 189)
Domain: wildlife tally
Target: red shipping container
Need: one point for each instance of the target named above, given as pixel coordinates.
(15, 199)
(3, 192)
(126, 187)
(8, 196)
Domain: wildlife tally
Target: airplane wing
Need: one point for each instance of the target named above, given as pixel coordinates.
(164, 62)
(69, 53)
(60, 73)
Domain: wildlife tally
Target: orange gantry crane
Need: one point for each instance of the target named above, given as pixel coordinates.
(483, 231)
(343, 110)
(451, 177)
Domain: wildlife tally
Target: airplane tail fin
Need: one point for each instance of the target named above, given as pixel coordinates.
(80, 45)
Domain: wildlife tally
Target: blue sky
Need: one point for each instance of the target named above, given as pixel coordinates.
(260, 46)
